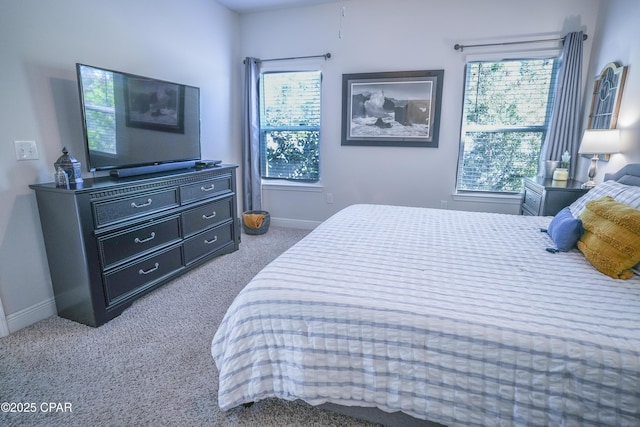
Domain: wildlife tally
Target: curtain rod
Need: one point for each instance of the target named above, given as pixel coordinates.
(461, 47)
(325, 56)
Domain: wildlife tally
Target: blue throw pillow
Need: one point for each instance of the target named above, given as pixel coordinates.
(565, 230)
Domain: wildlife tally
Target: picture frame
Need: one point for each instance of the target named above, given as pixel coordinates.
(155, 105)
(605, 100)
(606, 97)
(393, 109)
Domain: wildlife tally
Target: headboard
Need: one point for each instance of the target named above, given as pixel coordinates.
(629, 175)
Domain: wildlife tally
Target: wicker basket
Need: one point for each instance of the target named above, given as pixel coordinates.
(260, 230)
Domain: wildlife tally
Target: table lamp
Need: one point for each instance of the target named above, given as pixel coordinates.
(598, 141)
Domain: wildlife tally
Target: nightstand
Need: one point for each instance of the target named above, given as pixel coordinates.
(547, 197)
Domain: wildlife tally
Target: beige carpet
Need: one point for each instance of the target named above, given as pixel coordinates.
(152, 365)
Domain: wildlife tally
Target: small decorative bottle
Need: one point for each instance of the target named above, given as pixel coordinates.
(62, 180)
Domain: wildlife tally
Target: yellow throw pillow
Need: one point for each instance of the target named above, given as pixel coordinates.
(611, 241)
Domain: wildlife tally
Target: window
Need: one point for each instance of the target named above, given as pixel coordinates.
(290, 125)
(506, 112)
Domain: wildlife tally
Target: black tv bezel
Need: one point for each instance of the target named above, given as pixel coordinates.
(147, 167)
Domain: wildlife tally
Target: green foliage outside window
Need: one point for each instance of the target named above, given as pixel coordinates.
(293, 155)
(506, 113)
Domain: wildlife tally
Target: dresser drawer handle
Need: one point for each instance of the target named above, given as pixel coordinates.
(151, 270)
(133, 204)
(213, 215)
(212, 187)
(151, 237)
(208, 242)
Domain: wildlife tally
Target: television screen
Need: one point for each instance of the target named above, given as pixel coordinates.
(132, 121)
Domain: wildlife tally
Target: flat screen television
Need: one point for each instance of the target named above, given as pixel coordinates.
(135, 124)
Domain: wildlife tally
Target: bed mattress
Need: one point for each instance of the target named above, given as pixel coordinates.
(461, 318)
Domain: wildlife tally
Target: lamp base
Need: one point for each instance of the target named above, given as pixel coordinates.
(593, 170)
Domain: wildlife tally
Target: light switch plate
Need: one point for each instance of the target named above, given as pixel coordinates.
(26, 150)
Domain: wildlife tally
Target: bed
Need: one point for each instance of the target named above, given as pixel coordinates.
(458, 318)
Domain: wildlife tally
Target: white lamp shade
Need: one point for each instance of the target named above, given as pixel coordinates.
(600, 141)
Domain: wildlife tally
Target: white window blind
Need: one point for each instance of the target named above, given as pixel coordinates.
(290, 125)
(506, 112)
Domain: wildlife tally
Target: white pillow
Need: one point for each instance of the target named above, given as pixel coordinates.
(627, 194)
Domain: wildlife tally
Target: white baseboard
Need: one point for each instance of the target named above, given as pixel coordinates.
(31, 315)
(295, 223)
(4, 328)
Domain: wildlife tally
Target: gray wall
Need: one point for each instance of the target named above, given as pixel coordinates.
(617, 42)
(379, 35)
(192, 42)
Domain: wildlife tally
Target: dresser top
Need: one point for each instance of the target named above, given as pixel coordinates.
(100, 183)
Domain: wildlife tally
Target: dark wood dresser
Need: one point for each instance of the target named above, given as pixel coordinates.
(114, 240)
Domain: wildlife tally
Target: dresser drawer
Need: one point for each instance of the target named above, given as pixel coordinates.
(531, 201)
(205, 189)
(119, 247)
(207, 242)
(114, 211)
(206, 216)
(141, 275)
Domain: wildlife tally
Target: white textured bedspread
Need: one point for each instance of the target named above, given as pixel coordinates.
(457, 317)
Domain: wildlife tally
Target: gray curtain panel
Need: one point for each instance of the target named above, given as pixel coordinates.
(564, 129)
(251, 180)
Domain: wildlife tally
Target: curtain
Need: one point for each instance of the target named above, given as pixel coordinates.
(564, 129)
(252, 192)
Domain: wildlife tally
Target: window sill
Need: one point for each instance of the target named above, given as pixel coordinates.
(506, 199)
(278, 184)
